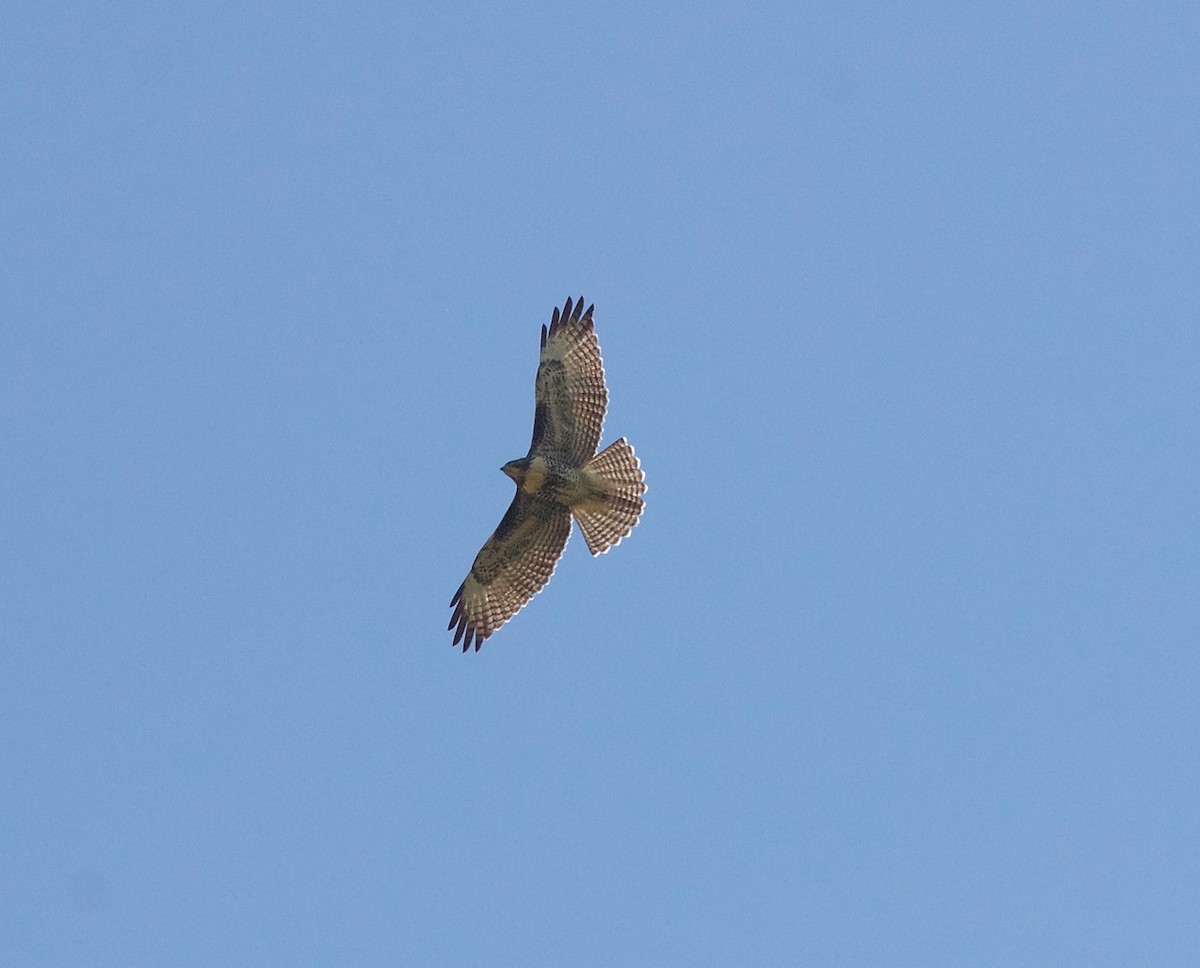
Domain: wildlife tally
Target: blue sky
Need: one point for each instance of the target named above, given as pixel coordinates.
(899, 305)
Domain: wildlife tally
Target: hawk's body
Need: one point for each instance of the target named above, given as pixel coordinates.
(561, 476)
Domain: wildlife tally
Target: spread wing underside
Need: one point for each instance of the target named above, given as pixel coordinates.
(513, 565)
(570, 397)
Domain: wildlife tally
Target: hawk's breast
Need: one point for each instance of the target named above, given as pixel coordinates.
(535, 476)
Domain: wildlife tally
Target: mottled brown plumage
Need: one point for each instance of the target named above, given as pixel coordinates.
(561, 476)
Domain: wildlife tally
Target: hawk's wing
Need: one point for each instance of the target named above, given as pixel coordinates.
(570, 397)
(512, 566)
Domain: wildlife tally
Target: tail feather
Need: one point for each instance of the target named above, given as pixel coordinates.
(604, 526)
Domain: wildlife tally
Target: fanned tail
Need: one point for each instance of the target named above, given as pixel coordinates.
(618, 467)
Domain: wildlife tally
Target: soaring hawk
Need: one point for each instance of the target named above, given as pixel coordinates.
(561, 476)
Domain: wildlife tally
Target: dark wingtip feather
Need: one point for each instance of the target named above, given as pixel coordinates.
(543, 335)
(458, 594)
(460, 619)
(572, 312)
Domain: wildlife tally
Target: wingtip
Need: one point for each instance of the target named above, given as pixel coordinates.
(460, 619)
(473, 638)
(572, 312)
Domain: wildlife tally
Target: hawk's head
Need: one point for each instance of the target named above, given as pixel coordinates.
(517, 469)
(529, 473)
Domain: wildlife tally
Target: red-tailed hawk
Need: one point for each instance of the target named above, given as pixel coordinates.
(561, 476)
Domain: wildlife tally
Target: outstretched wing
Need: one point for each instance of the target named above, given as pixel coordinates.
(570, 396)
(513, 565)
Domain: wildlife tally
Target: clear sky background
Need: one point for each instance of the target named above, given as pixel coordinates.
(900, 306)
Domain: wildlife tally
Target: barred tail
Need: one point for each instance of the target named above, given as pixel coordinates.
(605, 525)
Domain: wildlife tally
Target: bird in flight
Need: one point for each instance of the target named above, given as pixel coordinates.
(561, 477)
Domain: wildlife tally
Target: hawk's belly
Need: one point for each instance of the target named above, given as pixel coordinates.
(572, 486)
